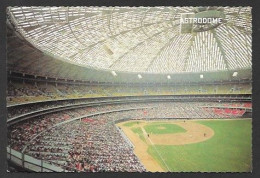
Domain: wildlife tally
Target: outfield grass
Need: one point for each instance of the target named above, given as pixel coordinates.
(156, 128)
(229, 150)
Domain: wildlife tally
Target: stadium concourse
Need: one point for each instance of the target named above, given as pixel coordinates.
(74, 73)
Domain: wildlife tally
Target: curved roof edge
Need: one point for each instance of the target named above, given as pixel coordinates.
(22, 57)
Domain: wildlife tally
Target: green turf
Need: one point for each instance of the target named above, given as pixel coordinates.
(139, 132)
(229, 150)
(130, 124)
(154, 128)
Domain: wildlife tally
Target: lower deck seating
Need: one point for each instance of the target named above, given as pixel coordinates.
(94, 143)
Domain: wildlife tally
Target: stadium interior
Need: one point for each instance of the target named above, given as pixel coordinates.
(73, 72)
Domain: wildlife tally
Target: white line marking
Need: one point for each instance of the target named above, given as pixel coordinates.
(156, 149)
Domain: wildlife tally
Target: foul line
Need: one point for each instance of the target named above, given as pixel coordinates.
(156, 149)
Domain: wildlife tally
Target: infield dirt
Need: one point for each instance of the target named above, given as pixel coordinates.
(194, 133)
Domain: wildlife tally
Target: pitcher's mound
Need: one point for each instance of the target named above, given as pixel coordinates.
(195, 132)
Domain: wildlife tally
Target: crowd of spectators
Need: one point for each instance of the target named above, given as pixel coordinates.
(94, 146)
(23, 109)
(64, 144)
(93, 143)
(18, 110)
(17, 92)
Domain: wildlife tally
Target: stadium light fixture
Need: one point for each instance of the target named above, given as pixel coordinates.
(168, 77)
(235, 74)
(139, 76)
(201, 76)
(114, 73)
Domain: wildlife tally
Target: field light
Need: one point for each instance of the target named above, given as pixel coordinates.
(114, 73)
(235, 74)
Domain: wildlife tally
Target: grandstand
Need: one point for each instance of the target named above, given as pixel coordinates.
(75, 73)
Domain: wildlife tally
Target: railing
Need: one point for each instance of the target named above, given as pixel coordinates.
(119, 101)
(30, 163)
(244, 96)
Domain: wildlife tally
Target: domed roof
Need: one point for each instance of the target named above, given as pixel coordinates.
(141, 39)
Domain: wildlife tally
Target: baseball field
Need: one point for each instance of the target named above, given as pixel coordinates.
(212, 145)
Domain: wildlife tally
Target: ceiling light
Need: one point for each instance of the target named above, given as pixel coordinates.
(201, 76)
(235, 74)
(168, 77)
(139, 76)
(114, 73)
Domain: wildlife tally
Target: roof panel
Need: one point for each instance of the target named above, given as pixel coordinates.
(139, 39)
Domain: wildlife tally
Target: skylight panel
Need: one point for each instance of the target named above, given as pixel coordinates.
(124, 32)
